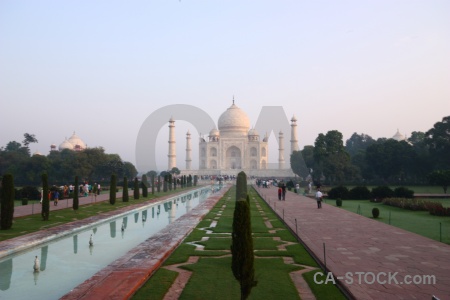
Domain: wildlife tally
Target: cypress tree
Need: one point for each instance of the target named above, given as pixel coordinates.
(170, 181)
(190, 180)
(174, 183)
(165, 184)
(242, 262)
(153, 184)
(241, 186)
(159, 184)
(112, 190)
(136, 188)
(45, 201)
(125, 196)
(144, 185)
(7, 200)
(76, 189)
(195, 180)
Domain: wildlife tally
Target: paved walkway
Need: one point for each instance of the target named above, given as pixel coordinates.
(36, 208)
(359, 244)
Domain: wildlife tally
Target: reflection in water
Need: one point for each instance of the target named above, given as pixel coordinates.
(66, 265)
(112, 229)
(44, 253)
(173, 213)
(75, 243)
(6, 268)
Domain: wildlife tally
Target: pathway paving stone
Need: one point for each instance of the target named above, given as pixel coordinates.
(359, 244)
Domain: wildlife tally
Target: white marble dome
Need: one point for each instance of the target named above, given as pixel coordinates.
(65, 145)
(398, 136)
(77, 142)
(253, 132)
(214, 132)
(234, 121)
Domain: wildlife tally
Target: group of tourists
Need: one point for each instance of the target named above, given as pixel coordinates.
(55, 193)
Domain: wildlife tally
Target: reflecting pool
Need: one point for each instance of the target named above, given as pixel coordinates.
(69, 261)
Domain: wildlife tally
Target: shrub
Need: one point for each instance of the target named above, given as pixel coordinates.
(7, 201)
(339, 202)
(136, 189)
(144, 183)
(402, 192)
(75, 203)
(112, 190)
(338, 192)
(375, 212)
(29, 193)
(382, 192)
(125, 196)
(359, 193)
(45, 213)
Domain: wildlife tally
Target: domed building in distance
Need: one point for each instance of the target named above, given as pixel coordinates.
(74, 143)
(232, 147)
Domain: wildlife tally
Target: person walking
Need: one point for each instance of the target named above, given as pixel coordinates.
(55, 197)
(319, 197)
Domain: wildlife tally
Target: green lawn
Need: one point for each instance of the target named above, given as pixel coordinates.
(212, 277)
(420, 222)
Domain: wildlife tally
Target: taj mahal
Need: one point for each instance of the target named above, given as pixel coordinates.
(233, 147)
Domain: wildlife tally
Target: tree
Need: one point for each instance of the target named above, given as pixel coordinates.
(331, 159)
(125, 196)
(241, 186)
(438, 140)
(144, 183)
(112, 190)
(76, 189)
(391, 160)
(440, 177)
(153, 184)
(358, 143)
(175, 171)
(298, 165)
(129, 170)
(242, 262)
(45, 201)
(136, 189)
(28, 139)
(7, 202)
(152, 173)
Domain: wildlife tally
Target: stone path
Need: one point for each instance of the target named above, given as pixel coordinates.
(355, 244)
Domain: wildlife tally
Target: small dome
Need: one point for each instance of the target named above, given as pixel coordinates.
(398, 136)
(37, 153)
(65, 145)
(294, 119)
(234, 121)
(214, 132)
(253, 132)
(77, 142)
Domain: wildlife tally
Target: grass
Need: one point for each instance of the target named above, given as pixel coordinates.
(420, 222)
(212, 277)
(33, 223)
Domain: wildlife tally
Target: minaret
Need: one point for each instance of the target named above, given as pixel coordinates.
(172, 149)
(188, 151)
(281, 151)
(294, 141)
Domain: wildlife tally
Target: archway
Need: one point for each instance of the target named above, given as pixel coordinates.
(233, 158)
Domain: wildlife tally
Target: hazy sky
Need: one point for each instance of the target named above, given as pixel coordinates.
(100, 68)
